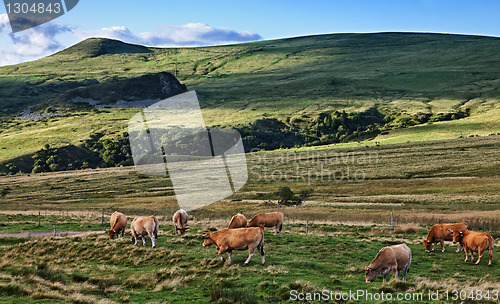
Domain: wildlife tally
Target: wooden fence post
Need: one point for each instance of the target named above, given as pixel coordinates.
(307, 225)
(392, 220)
(102, 218)
(38, 218)
(55, 231)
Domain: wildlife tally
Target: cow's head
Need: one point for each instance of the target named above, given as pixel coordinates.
(207, 240)
(457, 235)
(180, 230)
(111, 233)
(370, 274)
(427, 245)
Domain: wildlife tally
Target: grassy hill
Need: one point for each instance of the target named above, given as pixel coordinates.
(403, 75)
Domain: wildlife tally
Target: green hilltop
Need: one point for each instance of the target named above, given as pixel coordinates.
(407, 86)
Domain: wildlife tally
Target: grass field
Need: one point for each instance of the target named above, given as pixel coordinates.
(399, 73)
(422, 183)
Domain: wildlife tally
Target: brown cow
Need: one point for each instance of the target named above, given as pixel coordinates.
(474, 241)
(237, 239)
(180, 219)
(268, 220)
(439, 233)
(395, 258)
(118, 224)
(238, 221)
(142, 226)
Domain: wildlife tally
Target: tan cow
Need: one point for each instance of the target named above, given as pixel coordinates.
(238, 221)
(237, 239)
(142, 226)
(118, 223)
(475, 242)
(439, 233)
(392, 258)
(180, 219)
(268, 220)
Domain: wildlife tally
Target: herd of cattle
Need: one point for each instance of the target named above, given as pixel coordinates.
(243, 235)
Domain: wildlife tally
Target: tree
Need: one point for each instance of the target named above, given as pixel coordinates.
(285, 195)
(303, 195)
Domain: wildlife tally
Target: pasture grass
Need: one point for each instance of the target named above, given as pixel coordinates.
(93, 269)
(349, 221)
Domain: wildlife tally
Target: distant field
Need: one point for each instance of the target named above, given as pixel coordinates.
(422, 183)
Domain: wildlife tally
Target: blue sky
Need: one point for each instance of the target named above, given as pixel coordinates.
(193, 22)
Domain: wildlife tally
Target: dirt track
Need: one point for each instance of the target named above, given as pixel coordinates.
(43, 234)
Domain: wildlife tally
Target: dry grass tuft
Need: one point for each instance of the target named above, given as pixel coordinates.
(274, 270)
(406, 229)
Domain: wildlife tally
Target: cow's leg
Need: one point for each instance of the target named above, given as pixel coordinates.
(222, 249)
(276, 230)
(395, 272)
(143, 240)
(152, 237)
(466, 254)
(458, 248)
(434, 246)
(384, 278)
(135, 239)
(442, 245)
(251, 250)
(229, 253)
(490, 254)
(479, 255)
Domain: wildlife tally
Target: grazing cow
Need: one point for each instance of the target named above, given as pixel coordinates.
(238, 221)
(180, 219)
(268, 220)
(395, 258)
(142, 226)
(439, 233)
(474, 241)
(118, 224)
(237, 239)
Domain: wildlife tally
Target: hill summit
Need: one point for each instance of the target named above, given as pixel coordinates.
(94, 47)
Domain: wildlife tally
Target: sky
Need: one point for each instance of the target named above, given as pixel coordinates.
(166, 23)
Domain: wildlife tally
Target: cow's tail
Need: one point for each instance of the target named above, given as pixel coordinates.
(281, 223)
(114, 223)
(260, 246)
(155, 228)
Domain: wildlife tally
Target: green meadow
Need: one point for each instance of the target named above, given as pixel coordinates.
(420, 174)
(401, 74)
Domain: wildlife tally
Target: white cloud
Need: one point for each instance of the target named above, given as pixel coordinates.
(30, 44)
(43, 40)
(4, 21)
(192, 34)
